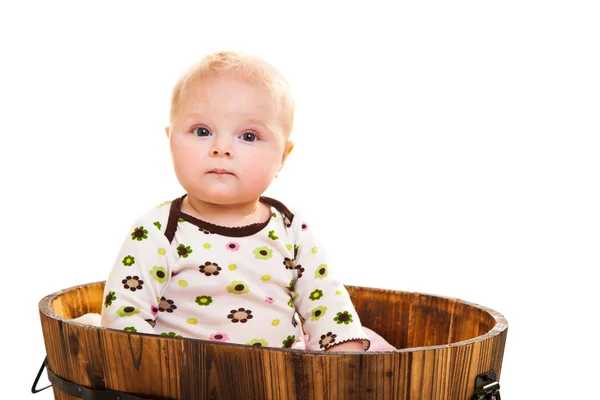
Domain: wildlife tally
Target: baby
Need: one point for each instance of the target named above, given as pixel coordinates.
(222, 262)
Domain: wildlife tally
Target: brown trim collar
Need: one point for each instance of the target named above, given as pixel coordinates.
(206, 227)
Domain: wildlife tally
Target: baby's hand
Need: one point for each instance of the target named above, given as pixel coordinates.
(355, 345)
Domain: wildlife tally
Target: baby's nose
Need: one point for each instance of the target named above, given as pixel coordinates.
(216, 152)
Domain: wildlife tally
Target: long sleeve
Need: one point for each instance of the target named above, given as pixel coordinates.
(133, 291)
(321, 299)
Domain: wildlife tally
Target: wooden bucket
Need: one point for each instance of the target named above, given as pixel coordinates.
(444, 344)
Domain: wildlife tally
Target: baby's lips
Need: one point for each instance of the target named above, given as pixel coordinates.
(220, 171)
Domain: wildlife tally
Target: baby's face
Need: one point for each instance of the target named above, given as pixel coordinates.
(227, 141)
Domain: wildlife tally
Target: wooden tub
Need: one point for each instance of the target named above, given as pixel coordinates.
(444, 345)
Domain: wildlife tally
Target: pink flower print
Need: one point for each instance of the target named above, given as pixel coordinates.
(304, 226)
(232, 246)
(154, 310)
(219, 337)
(269, 300)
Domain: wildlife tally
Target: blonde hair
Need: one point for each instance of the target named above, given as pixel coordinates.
(250, 69)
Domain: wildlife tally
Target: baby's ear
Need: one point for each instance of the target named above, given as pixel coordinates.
(288, 149)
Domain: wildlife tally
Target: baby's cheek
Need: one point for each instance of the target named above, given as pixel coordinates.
(258, 174)
(189, 163)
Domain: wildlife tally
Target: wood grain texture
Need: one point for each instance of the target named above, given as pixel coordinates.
(443, 344)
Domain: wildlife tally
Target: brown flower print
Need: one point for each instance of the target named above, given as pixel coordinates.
(166, 305)
(327, 340)
(289, 264)
(240, 315)
(210, 268)
(132, 283)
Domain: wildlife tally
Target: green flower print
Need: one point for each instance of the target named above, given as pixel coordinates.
(290, 287)
(263, 253)
(164, 204)
(180, 219)
(170, 334)
(343, 318)
(128, 261)
(238, 287)
(157, 224)
(128, 311)
(258, 343)
(130, 329)
(291, 303)
(321, 272)
(317, 313)
(272, 235)
(159, 274)
(204, 300)
(289, 342)
(110, 297)
(184, 251)
(296, 251)
(139, 234)
(316, 295)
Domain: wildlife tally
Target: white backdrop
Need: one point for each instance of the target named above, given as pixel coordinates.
(458, 141)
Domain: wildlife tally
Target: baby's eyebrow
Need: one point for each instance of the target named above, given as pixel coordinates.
(193, 115)
(254, 121)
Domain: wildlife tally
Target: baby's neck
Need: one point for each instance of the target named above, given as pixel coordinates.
(231, 215)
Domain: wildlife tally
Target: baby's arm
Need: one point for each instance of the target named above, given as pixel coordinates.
(348, 346)
(322, 301)
(133, 290)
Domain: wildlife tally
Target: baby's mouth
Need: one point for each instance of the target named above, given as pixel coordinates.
(220, 171)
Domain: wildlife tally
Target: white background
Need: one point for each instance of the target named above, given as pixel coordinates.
(457, 143)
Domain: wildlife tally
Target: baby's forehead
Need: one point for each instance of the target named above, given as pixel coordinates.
(201, 96)
(200, 85)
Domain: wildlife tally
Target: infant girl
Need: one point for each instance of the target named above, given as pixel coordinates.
(223, 262)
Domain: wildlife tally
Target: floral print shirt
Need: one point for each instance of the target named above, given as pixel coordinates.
(263, 284)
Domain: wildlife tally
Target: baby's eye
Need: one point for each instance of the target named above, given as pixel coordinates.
(249, 137)
(201, 132)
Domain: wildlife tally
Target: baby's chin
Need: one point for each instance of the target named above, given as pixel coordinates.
(225, 190)
(222, 195)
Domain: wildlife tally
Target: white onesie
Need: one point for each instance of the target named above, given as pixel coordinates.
(176, 275)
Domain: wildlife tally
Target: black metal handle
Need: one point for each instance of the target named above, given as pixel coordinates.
(79, 391)
(487, 386)
(35, 390)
